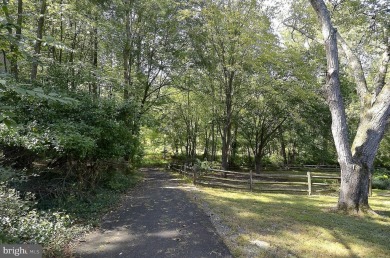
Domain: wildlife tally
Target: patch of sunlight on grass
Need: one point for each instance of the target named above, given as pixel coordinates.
(299, 226)
(248, 215)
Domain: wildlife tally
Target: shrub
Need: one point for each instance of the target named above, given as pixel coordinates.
(21, 223)
(381, 182)
(74, 136)
(121, 182)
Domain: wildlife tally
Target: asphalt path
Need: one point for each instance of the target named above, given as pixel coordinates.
(157, 219)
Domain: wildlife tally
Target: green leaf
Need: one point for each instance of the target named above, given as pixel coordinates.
(39, 89)
(4, 8)
(19, 90)
(53, 94)
(9, 122)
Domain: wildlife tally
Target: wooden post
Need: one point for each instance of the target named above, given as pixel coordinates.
(194, 170)
(250, 180)
(309, 183)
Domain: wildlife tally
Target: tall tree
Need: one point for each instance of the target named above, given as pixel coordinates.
(38, 41)
(230, 35)
(356, 160)
(12, 57)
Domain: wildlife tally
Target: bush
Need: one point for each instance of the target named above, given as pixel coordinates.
(120, 182)
(381, 179)
(21, 223)
(381, 182)
(73, 137)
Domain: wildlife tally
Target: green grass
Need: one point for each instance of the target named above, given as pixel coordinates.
(154, 160)
(299, 226)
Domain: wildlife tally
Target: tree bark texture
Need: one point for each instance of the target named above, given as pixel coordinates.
(227, 126)
(37, 47)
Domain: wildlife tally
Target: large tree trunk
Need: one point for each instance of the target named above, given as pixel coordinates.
(354, 188)
(258, 162)
(356, 163)
(38, 43)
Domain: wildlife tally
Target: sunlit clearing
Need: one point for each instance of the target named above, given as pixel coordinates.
(297, 225)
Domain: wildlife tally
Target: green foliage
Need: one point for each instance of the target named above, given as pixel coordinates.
(120, 182)
(87, 205)
(381, 182)
(87, 130)
(381, 179)
(383, 157)
(22, 223)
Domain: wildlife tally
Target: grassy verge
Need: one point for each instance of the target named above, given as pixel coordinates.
(281, 225)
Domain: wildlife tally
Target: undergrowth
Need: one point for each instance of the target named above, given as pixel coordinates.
(54, 219)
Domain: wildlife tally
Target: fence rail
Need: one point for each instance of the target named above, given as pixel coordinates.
(311, 182)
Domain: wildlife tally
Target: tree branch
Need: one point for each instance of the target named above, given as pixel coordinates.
(303, 32)
(380, 79)
(357, 71)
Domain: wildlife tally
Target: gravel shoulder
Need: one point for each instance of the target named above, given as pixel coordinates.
(157, 219)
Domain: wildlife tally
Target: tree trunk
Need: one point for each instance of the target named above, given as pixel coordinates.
(234, 148)
(95, 61)
(193, 139)
(61, 31)
(12, 58)
(227, 126)
(258, 162)
(225, 148)
(19, 22)
(3, 62)
(206, 146)
(354, 188)
(283, 147)
(95, 86)
(356, 163)
(213, 143)
(126, 57)
(37, 47)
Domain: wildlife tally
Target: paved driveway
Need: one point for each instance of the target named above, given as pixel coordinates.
(155, 220)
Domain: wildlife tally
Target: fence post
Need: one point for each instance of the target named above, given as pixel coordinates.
(194, 170)
(309, 183)
(250, 180)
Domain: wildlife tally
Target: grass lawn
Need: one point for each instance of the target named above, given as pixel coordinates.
(285, 225)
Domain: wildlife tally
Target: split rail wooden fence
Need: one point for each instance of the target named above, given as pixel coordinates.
(284, 181)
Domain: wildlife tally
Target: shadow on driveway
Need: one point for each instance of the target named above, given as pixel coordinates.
(155, 220)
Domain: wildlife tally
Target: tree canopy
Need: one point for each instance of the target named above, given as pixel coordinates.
(240, 83)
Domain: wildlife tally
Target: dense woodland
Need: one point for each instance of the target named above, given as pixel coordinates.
(89, 88)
